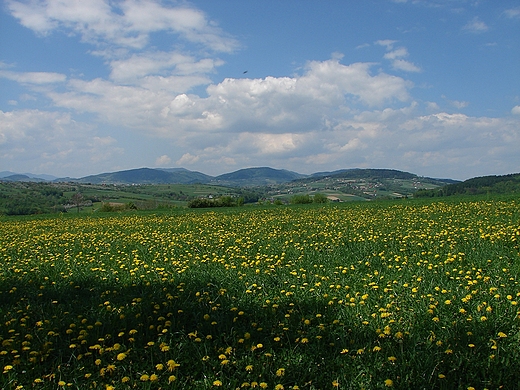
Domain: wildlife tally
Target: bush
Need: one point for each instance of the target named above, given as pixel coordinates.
(320, 198)
(301, 199)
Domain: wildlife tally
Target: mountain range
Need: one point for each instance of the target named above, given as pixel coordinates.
(260, 176)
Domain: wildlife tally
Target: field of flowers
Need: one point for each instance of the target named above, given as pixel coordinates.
(408, 295)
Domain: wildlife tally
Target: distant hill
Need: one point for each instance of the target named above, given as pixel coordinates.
(257, 177)
(503, 184)
(12, 176)
(146, 176)
(188, 176)
(374, 174)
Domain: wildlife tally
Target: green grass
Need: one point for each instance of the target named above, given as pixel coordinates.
(407, 294)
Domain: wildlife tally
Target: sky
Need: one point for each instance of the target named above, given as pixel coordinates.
(430, 87)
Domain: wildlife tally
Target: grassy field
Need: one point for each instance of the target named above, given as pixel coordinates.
(373, 295)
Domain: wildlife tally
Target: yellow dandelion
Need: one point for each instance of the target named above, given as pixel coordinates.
(172, 365)
(389, 383)
(217, 383)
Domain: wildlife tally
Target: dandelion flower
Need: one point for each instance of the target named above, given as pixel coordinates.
(172, 365)
(389, 383)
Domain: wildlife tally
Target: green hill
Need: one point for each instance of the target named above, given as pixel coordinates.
(505, 184)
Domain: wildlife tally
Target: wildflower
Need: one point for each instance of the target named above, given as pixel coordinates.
(144, 378)
(110, 368)
(159, 367)
(389, 383)
(172, 378)
(125, 379)
(172, 365)
(502, 335)
(279, 387)
(249, 368)
(121, 356)
(280, 372)
(442, 376)
(335, 383)
(217, 383)
(392, 359)
(263, 385)
(376, 349)
(154, 378)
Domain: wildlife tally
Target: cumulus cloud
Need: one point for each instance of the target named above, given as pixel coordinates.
(125, 24)
(275, 103)
(516, 110)
(120, 32)
(163, 161)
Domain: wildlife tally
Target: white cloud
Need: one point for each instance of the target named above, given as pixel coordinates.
(163, 161)
(475, 26)
(405, 66)
(396, 56)
(125, 24)
(187, 159)
(33, 77)
(388, 43)
(513, 13)
(33, 140)
(516, 110)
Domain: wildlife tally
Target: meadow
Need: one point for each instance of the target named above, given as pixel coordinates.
(374, 295)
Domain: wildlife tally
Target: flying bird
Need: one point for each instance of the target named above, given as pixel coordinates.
(245, 71)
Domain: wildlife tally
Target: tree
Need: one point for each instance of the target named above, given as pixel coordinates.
(77, 199)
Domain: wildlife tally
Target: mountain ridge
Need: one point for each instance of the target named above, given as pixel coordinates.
(254, 176)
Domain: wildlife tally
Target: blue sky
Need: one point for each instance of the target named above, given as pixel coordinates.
(429, 87)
